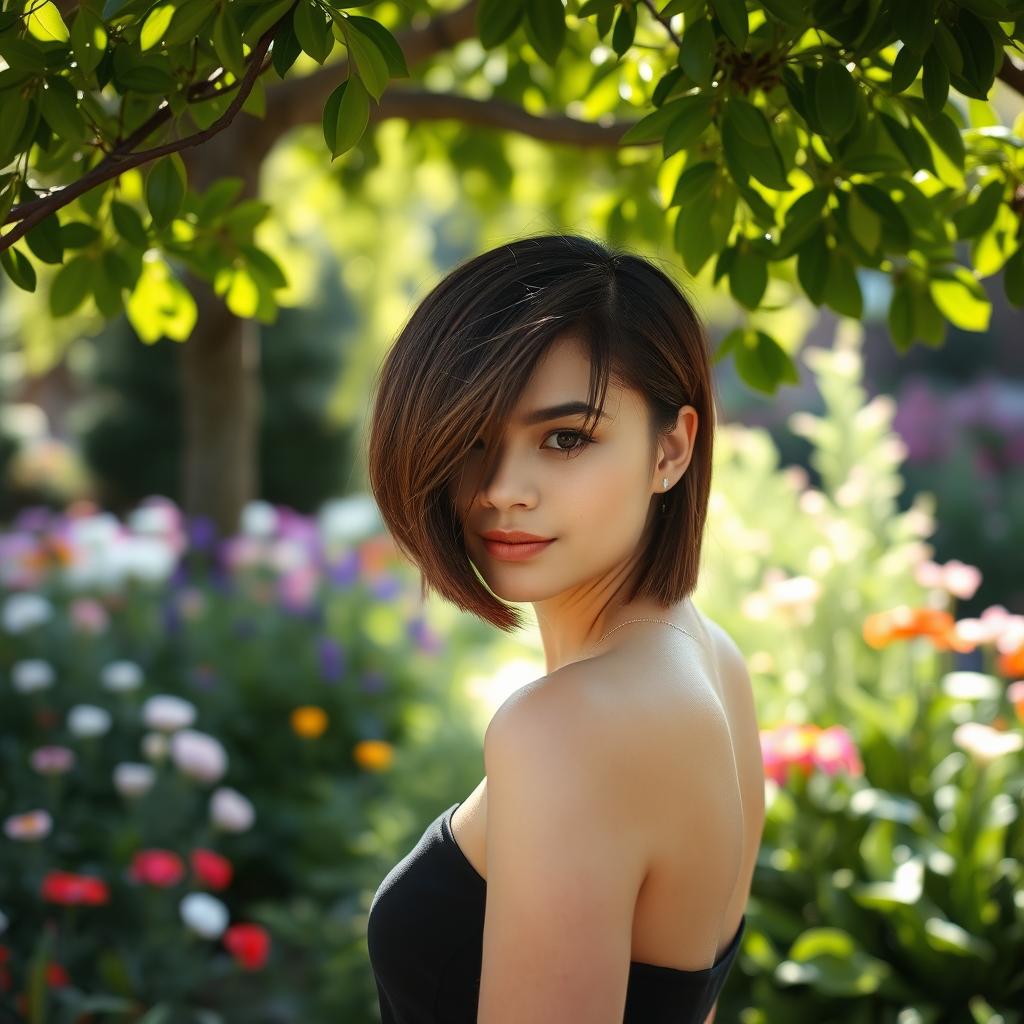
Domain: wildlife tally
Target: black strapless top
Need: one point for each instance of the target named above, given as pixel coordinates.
(425, 944)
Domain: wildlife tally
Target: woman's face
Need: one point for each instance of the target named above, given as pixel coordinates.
(594, 504)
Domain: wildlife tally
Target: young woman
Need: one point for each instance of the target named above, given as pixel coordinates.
(542, 433)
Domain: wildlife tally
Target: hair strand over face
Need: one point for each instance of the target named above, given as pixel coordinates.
(458, 367)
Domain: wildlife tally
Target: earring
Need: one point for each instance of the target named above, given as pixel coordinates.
(664, 482)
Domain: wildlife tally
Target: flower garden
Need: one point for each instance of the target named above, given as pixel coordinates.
(212, 749)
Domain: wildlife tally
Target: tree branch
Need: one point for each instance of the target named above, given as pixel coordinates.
(121, 159)
(1012, 75)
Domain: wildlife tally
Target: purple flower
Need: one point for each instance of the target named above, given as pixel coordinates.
(422, 635)
(372, 682)
(344, 572)
(331, 656)
(386, 586)
(202, 533)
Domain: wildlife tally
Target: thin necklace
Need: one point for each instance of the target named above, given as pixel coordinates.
(628, 621)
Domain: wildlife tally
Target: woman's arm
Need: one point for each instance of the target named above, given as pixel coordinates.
(711, 1016)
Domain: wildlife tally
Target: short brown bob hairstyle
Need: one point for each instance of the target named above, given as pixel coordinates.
(459, 365)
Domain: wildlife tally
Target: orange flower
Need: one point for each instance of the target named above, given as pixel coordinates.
(309, 721)
(374, 755)
(904, 622)
(1011, 663)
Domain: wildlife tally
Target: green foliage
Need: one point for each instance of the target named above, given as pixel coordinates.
(805, 143)
(889, 888)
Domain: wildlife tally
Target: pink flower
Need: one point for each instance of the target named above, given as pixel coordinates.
(52, 759)
(157, 867)
(88, 615)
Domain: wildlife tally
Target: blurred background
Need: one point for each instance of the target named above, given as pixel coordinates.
(216, 739)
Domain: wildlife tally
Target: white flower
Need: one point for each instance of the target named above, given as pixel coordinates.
(30, 825)
(23, 611)
(133, 779)
(121, 676)
(167, 712)
(231, 811)
(155, 746)
(259, 519)
(32, 674)
(348, 520)
(198, 755)
(984, 743)
(204, 914)
(87, 720)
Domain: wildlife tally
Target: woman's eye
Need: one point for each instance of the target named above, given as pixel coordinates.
(581, 439)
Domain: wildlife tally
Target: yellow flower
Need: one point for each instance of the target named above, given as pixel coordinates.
(374, 755)
(309, 721)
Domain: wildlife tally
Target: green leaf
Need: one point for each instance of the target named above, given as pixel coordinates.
(285, 51)
(693, 118)
(949, 50)
(385, 42)
(842, 289)
(905, 68)
(155, 27)
(267, 17)
(1013, 278)
(624, 30)
(812, 265)
(496, 20)
(694, 184)
(59, 105)
(749, 121)
(44, 240)
(693, 236)
(346, 114)
(77, 234)
(789, 12)
(19, 269)
(935, 80)
(546, 19)
(901, 314)
(835, 98)
(189, 17)
(652, 127)
(865, 225)
(760, 360)
(165, 189)
(697, 52)
(763, 162)
(732, 16)
(129, 224)
(227, 41)
(961, 299)
(748, 276)
(977, 217)
(70, 286)
(22, 54)
(43, 21)
(802, 218)
(264, 267)
(981, 57)
(88, 39)
(371, 66)
(947, 137)
(313, 30)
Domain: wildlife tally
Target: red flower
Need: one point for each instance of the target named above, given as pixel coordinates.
(249, 944)
(213, 870)
(157, 867)
(56, 976)
(68, 888)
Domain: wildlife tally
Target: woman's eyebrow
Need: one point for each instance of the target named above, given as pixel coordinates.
(554, 412)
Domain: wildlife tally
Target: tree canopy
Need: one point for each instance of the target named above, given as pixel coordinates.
(784, 139)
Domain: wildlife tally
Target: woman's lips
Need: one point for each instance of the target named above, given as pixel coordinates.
(515, 552)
